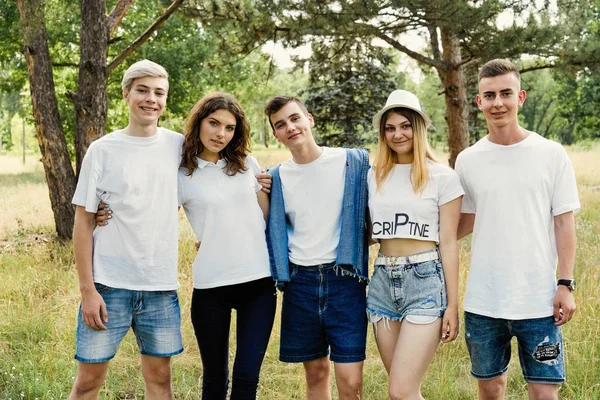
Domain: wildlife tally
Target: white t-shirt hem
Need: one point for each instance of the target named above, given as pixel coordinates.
(490, 314)
(243, 279)
(151, 288)
(311, 262)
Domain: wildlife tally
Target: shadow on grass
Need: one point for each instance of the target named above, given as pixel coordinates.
(10, 180)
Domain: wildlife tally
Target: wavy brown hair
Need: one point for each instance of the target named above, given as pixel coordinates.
(238, 148)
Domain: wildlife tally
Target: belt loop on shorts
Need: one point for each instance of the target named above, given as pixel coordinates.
(392, 261)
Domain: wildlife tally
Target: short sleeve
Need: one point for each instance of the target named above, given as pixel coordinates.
(253, 169)
(180, 178)
(87, 185)
(449, 187)
(468, 203)
(564, 196)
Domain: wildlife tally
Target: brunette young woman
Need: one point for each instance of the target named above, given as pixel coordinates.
(227, 211)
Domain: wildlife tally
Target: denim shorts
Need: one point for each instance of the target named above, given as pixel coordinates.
(153, 316)
(403, 288)
(541, 351)
(323, 310)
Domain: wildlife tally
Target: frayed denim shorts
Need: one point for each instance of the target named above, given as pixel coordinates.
(410, 287)
(154, 318)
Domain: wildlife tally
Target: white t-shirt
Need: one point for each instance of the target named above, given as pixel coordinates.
(313, 195)
(137, 177)
(224, 213)
(514, 192)
(398, 212)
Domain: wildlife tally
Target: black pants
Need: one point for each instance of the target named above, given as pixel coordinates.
(255, 304)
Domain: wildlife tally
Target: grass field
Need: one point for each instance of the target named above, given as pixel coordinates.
(39, 297)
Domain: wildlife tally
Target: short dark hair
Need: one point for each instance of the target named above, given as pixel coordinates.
(498, 67)
(278, 102)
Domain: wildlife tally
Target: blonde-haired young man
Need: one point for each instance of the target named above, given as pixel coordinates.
(128, 269)
(520, 200)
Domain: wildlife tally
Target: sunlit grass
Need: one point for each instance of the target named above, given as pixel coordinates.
(39, 297)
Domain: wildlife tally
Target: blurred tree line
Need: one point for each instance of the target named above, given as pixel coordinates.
(360, 50)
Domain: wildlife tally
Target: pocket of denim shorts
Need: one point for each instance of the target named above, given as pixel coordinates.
(425, 269)
(103, 289)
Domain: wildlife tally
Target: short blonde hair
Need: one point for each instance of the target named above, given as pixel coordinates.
(142, 69)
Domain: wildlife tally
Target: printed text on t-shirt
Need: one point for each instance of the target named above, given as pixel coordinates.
(401, 219)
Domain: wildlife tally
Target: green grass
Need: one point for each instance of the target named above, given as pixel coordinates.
(39, 298)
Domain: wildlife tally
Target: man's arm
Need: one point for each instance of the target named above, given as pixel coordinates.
(92, 305)
(465, 225)
(564, 230)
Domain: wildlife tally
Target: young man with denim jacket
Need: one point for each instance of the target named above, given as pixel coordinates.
(318, 252)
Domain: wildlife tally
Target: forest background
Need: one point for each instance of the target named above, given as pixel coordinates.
(61, 63)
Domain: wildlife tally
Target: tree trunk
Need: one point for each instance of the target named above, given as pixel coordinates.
(91, 101)
(55, 158)
(457, 110)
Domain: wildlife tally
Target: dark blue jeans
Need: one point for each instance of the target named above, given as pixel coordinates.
(255, 304)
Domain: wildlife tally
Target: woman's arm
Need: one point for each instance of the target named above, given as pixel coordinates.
(449, 217)
(263, 202)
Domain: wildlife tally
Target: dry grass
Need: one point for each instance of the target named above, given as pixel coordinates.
(39, 298)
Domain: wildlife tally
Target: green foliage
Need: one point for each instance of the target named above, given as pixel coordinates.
(348, 83)
(429, 92)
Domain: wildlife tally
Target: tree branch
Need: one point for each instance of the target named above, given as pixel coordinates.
(538, 67)
(435, 42)
(116, 15)
(144, 36)
(412, 54)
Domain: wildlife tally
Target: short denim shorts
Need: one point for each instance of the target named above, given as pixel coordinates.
(323, 309)
(402, 289)
(541, 350)
(154, 317)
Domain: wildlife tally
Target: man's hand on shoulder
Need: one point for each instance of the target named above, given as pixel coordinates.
(265, 179)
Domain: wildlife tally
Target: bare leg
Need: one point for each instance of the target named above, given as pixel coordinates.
(386, 336)
(349, 380)
(317, 379)
(492, 389)
(542, 391)
(157, 377)
(413, 353)
(89, 379)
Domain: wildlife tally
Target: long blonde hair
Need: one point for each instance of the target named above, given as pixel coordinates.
(387, 158)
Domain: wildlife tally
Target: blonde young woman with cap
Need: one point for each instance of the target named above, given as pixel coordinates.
(414, 209)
